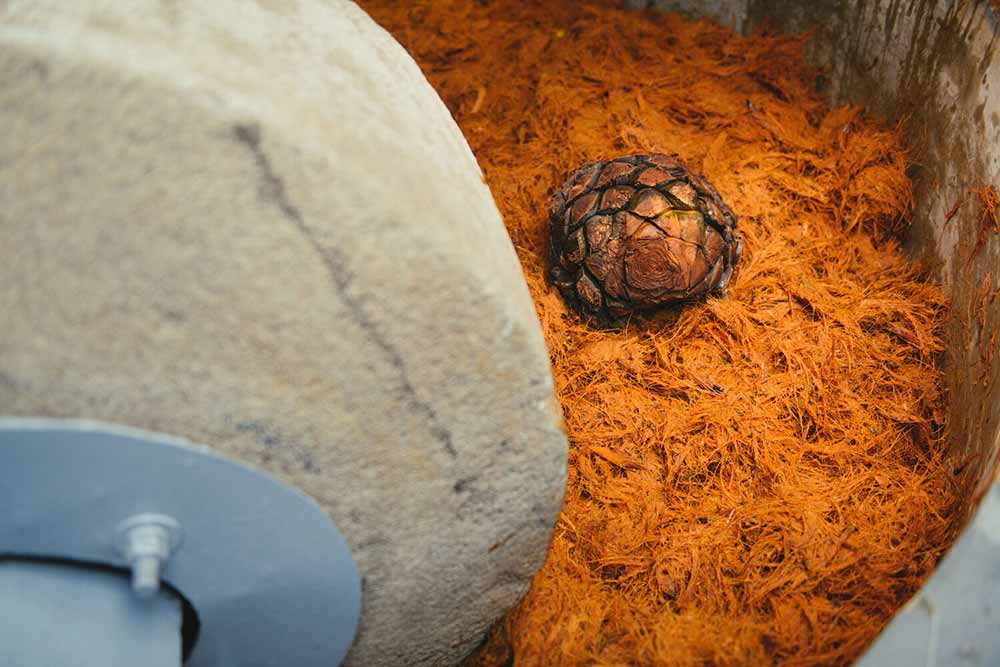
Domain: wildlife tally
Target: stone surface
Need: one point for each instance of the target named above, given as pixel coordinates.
(254, 225)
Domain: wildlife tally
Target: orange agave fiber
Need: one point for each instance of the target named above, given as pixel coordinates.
(753, 480)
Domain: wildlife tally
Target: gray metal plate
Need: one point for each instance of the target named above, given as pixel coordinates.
(58, 614)
(269, 575)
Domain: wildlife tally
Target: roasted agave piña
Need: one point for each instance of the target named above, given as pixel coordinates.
(638, 232)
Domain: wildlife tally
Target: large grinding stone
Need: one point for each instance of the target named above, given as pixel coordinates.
(255, 225)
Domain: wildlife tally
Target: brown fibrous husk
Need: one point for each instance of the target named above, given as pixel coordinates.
(756, 479)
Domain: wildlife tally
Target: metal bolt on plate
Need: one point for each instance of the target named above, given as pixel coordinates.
(147, 541)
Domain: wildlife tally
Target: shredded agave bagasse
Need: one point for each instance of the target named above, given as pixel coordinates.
(753, 480)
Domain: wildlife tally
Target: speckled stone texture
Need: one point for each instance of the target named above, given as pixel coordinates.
(255, 225)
